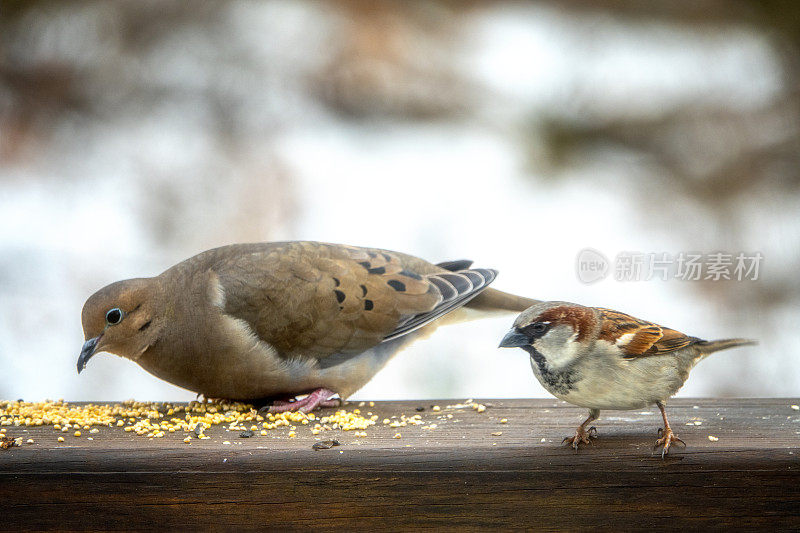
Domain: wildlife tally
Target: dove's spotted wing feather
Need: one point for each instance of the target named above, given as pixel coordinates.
(640, 338)
(457, 288)
(311, 299)
(454, 266)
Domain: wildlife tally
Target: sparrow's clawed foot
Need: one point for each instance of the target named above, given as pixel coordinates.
(666, 438)
(317, 398)
(582, 436)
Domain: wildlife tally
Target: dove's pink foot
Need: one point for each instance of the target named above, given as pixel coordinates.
(316, 398)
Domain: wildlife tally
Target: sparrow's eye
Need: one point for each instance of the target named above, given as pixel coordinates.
(538, 327)
(114, 316)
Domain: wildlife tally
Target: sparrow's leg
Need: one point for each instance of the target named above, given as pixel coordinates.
(316, 398)
(583, 435)
(666, 434)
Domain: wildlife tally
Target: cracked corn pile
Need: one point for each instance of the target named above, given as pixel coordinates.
(156, 420)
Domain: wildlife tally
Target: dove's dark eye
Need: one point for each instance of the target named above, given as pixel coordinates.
(114, 316)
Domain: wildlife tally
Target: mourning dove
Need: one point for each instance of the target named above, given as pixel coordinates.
(275, 320)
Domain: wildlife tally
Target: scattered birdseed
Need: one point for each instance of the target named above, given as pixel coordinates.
(156, 420)
(60, 439)
(504, 420)
(6, 442)
(325, 444)
(497, 433)
(29, 441)
(795, 407)
(712, 438)
(397, 436)
(226, 442)
(187, 440)
(436, 408)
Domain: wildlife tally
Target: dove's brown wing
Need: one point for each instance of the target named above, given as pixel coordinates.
(641, 338)
(310, 299)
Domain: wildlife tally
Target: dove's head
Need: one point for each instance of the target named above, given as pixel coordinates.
(120, 318)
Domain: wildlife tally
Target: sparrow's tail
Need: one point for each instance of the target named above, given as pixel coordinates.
(709, 347)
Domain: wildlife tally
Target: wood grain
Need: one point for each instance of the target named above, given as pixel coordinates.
(457, 476)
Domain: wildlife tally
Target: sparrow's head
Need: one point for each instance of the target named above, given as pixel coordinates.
(560, 332)
(119, 318)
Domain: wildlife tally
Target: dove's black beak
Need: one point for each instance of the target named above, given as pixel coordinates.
(514, 339)
(87, 352)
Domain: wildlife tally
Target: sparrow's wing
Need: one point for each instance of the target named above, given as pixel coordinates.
(640, 338)
(313, 300)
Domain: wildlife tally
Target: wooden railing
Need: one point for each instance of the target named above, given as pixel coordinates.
(740, 469)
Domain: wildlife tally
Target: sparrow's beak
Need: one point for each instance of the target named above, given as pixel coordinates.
(514, 339)
(87, 352)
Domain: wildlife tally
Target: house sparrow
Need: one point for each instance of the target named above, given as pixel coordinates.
(274, 320)
(603, 359)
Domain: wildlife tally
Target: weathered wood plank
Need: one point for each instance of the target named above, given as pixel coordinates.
(455, 476)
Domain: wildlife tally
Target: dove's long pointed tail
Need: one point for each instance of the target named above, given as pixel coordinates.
(709, 347)
(494, 300)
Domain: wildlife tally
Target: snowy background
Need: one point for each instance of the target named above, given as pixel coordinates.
(136, 134)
